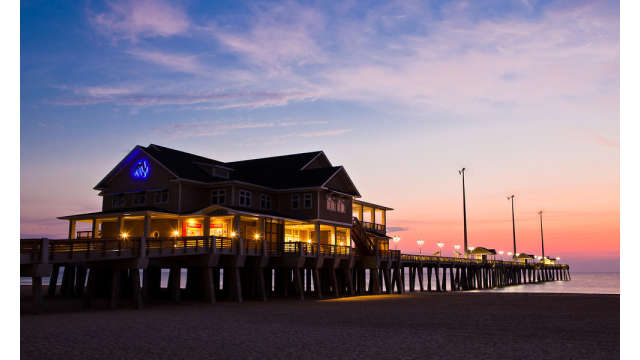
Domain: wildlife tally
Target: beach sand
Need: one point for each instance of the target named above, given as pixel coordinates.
(423, 325)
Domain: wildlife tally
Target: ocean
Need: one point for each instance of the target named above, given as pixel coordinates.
(580, 283)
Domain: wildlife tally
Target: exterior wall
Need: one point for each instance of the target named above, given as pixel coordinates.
(123, 182)
(284, 202)
(331, 215)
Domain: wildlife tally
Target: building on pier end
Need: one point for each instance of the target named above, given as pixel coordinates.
(482, 253)
(158, 192)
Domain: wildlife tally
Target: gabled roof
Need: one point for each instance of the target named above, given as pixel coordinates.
(278, 172)
(479, 250)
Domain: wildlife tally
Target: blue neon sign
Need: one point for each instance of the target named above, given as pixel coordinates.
(141, 169)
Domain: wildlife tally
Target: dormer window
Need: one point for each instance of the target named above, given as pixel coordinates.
(220, 172)
(218, 197)
(245, 198)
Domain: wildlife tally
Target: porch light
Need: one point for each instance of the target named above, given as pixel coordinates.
(256, 236)
(176, 233)
(341, 243)
(124, 235)
(308, 241)
(233, 234)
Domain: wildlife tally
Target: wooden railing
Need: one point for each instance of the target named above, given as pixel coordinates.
(377, 228)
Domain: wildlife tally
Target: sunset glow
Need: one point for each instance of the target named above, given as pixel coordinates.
(524, 95)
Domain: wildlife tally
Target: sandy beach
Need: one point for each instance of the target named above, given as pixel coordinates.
(423, 325)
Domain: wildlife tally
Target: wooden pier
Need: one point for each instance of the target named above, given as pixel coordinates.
(237, 269)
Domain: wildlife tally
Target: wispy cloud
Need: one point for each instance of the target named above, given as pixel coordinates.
(216, 128)
(135, 19)
(128, 96)
(175, 62)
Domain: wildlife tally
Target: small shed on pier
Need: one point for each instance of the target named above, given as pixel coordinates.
(482, 253)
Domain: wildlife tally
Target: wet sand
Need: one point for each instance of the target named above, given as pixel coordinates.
(423, 325)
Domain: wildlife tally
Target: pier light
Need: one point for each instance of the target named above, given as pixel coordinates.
(557, 259)
(396, 240)
(440, 245)
(517, 254)
(420, 243)
(501, 252)
(457, 247)
(510, 253)
(471, 248)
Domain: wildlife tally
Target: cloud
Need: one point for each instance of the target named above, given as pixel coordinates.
(216, 128)
(131, 20)
(175, 62)
(281, 36)
(397, 228)
(129, 96)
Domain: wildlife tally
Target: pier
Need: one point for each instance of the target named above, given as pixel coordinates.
(221, 268)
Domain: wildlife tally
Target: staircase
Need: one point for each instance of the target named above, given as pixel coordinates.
(361, 239)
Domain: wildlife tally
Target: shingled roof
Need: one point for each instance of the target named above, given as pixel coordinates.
(277, 172)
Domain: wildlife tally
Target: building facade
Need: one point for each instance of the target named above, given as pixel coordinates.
(158, 192)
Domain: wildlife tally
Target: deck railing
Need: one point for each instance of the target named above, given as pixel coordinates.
(374, 227)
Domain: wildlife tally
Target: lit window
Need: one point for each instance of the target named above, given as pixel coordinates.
(265, 201)
(218, 197)
(308, 202)
(245, 198)
(295, 201)
(139, 198)
(342, 208)
(331, 203)
(160, 197)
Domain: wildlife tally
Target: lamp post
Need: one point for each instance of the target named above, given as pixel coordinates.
(501, 253)
(510, 254)
(541, 233)
(464, 209)
(513, 220)
(457, 247)
(396, 240)
(420, 243)
(440, 245)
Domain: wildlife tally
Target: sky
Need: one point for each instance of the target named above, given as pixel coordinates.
(523, 94)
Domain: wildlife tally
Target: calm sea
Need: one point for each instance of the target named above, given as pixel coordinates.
(581, 283)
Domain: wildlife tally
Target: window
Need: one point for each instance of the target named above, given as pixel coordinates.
(331, 203)
(295, 201)
(139, 198)
(342, 208)
(117, 201)
(218, 197)
(308, 202)
(265, 201)
(245, 198)
(161, 196)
